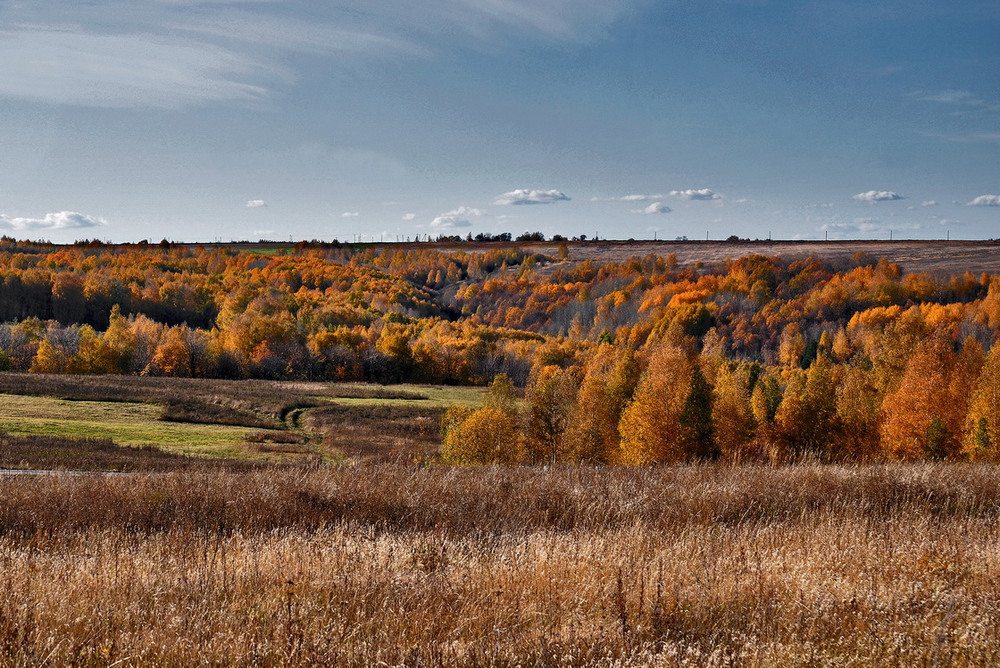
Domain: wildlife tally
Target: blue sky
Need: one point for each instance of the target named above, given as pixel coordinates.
(230, 119)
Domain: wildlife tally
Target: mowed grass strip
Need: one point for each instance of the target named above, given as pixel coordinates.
(431, 396)
(133, 424)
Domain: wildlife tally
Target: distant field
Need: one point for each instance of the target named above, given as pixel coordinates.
(912, 255)
(131, 424)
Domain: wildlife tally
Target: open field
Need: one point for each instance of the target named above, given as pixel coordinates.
(233, 420)
(128, 424)
(912, 256)
(807, 565)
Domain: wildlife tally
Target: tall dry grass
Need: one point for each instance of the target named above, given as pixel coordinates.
(887, 565)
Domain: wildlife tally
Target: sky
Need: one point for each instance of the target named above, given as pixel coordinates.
(386, 119)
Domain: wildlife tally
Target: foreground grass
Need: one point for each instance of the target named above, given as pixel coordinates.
(886, 565)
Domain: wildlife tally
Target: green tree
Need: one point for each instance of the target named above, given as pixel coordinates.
(697, 436)
(551, 397)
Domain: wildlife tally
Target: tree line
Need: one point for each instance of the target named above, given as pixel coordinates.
(638, 360)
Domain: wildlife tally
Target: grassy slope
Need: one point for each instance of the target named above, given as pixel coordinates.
(428, 396)
(132, 424)
(355, 420)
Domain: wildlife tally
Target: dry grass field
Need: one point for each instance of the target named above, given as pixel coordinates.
(912, 255)
(395, 565)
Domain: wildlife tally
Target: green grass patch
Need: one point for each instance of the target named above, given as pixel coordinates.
(133, 424)
(431, 396)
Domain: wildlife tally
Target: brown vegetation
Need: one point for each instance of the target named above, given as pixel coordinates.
(708, 565)
(54, 453)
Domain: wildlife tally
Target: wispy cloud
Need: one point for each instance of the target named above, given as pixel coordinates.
(256, 204)
(985, 200)
(654, 208)
(409, 216)
(179, 53)
(63, 220)
(878, 196)
(628, 198)
(523, 196)
(949, 96)
(350, 214)
(99, 70)
(865, 227)
(696, 194)
(929, 202)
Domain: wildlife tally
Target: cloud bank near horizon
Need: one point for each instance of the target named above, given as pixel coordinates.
(62, 220)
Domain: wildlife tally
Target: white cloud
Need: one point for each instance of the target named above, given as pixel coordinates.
(655, 207)
(523, 196)
(64, 220)
(262, 234)
(457, 218)
(256, 204)
(877, 196)
(985, 200)
(409, 216)
(696, 194)
(350, 214)
(929, 202)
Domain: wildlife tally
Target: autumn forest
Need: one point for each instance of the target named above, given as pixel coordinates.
(644, 360)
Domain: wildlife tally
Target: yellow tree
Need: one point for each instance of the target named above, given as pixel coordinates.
(982, 425)
(806, 420)
(859, 412)
(487, 435)
(732, 412)
(49, 359)
(792, 345)
(119, 340)
(651, 423)
(93, 355)
(609, 381)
